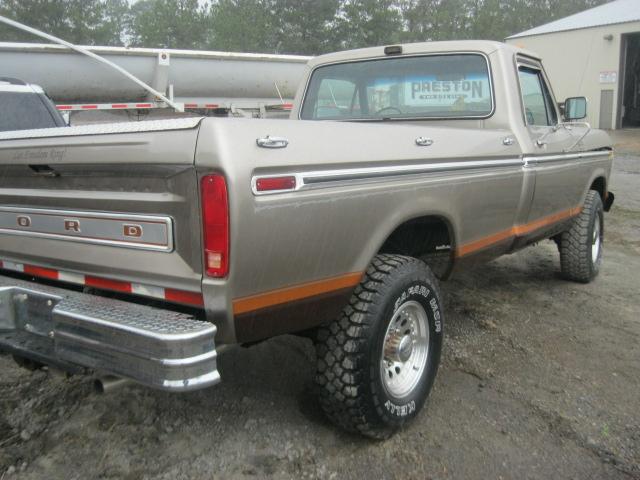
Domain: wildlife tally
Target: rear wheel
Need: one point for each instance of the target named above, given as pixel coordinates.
(581, 245)
(378, 360)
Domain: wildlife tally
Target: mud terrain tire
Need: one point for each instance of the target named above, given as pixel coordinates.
(377, 362)
(581, 245)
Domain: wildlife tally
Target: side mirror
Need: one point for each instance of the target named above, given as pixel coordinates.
(575, 108)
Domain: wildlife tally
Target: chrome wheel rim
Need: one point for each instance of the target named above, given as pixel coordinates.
(405, 349)
(596, 241)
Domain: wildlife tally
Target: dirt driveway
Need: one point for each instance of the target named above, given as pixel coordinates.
(540, 379)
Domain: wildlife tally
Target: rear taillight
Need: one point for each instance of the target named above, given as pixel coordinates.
(215, 224)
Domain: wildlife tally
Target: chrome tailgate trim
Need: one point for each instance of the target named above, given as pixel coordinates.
(147, 232)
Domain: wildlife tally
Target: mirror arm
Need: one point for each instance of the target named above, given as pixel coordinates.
(540, 141)
(568, 126)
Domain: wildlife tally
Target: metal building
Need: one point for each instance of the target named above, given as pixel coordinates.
(595, 54)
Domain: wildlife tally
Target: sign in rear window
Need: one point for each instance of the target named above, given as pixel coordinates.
(435, 86)
(444, 93)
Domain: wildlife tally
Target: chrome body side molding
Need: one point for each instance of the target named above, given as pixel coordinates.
(531, 160)
(336, 177)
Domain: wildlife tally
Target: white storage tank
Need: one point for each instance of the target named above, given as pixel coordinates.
(219, 77)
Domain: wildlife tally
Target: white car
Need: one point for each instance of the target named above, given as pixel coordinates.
(26, 106)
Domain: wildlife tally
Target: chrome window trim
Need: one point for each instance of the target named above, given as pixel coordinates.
(337, 177)
(435, 54)
(166, 221)
(534, 64)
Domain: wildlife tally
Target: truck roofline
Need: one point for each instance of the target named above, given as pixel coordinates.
(484, 46)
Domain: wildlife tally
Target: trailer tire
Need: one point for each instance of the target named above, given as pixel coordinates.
(377, 362)
(581, 245)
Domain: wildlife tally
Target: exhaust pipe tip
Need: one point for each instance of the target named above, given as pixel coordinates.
(108, 384)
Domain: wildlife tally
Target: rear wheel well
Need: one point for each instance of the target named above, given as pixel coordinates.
(600, 186)
(428, 238)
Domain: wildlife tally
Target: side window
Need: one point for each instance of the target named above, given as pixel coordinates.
(336, 98)
(536, 98)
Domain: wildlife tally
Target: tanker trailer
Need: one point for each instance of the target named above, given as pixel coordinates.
(203, 82)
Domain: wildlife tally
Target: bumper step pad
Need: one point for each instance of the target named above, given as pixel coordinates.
(159, 348)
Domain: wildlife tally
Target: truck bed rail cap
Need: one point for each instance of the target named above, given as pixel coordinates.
(105, 128)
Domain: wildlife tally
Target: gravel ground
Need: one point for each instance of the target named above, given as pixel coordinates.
(540, 379)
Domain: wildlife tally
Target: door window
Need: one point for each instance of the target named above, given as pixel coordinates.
(536, 98)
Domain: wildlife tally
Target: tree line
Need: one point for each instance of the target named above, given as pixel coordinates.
(307, 27)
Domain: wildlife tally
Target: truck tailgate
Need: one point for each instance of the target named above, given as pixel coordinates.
(109, 208)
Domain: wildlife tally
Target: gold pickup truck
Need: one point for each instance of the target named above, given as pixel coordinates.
(143, 250)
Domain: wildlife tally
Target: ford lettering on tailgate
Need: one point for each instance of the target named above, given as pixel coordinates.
(148, 232)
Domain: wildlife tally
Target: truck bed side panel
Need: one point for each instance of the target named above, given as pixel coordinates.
(309, 247)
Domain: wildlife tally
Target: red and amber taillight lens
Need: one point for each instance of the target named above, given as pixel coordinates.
(215, 225)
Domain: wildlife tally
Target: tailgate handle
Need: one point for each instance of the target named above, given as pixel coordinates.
(272, 142)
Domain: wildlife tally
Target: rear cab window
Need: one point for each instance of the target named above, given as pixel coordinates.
(439, 86)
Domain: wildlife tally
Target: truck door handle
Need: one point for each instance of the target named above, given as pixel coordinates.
(272, 142)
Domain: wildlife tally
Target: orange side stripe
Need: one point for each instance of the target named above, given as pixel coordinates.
(484, 242)
(543, 222)
(297, 292)
(311, 289)
(516, 231)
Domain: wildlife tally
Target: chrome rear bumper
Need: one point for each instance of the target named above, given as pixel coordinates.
(76, 331)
